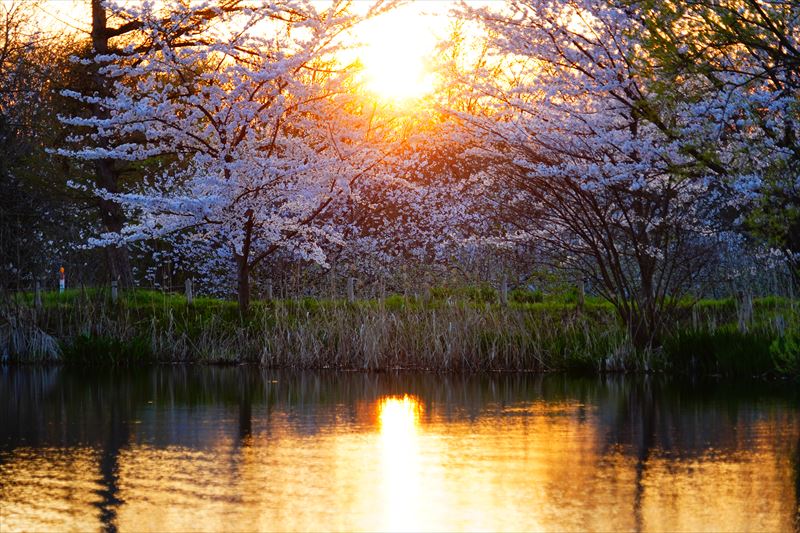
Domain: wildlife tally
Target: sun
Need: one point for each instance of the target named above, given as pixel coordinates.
(395, 52)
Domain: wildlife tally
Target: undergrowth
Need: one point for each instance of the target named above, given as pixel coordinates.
(442, 330)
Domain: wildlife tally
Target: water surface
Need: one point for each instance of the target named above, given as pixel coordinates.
(189, 448)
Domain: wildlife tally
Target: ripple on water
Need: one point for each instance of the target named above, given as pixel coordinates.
(435, 456)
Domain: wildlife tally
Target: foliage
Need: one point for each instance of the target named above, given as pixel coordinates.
(90, 350)
(785, 352)
(740, 63)
(260, 136)
(524, 296)
(644, 149)
(39, 221)
(455, 334)
(725, 351)
(583, 161)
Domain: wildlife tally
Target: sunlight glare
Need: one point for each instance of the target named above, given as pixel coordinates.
(399, 422)
(395, 51)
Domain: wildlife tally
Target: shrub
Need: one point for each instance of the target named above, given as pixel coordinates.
(726, 351)
(100, 350)
(785, 352)
(525, 296)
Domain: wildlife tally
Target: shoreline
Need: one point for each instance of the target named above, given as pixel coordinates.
(397, 333)
(251, 365)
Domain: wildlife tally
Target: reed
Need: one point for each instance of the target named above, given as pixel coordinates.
(438, 332)
(22, 338)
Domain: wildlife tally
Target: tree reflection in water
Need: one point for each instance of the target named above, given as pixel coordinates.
(245, 448)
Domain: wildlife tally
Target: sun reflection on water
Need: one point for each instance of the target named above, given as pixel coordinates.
(398, 420)
(399, 416)
(403, 462)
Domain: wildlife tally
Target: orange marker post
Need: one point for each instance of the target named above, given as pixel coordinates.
(62, 283)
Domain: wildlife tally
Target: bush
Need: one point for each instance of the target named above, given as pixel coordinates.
(482, 294)
(785, 352)
(525, 296)
(394, 302)
(476, 294)
(726, 351)
(98, 350)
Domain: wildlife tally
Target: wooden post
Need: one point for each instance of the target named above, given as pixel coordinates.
(581, 294)
(775, 290)
(749, 306)
(745, 312)
(351, 293)
(780, 325)
(504, 291)
(189, 292)
(37, 295)
(740, 321)
(114, 291)
(269, 289)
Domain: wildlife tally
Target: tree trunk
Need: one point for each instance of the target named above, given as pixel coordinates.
(641, 331)
(113, 217)
(243, 286)
(647, 316)
(243, 264)
(106, 173)
(641, 328)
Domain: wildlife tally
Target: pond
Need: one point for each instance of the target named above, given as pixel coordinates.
(192, 448)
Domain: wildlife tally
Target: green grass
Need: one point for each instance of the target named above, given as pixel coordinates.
(444, 330)
(725, 351)
(99, 350)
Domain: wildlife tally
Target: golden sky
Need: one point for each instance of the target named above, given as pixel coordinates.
(395, 49)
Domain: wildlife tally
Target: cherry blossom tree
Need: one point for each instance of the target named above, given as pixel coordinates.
(740, 62)
(254, 131)
(592, 158)
(117, 31)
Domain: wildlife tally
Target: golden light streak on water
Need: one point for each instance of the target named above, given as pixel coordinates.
(57, 489)
(401, 479)
(401, 461)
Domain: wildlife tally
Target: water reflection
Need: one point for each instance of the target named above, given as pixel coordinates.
(400, 477)
(200, 449)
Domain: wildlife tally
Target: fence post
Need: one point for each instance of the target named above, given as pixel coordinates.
(749, 306)
(780, 325)
(745, 312)
(269, 289)
(189, 292)
(504, 291)
(775, 289)
(351, 292)
(37, 296)
(114, 291)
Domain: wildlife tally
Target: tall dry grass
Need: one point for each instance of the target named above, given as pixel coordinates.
(392, 333)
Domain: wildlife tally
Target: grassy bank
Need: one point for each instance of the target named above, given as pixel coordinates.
(444, 331)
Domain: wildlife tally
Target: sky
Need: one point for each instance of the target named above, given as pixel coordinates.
(397, 46)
